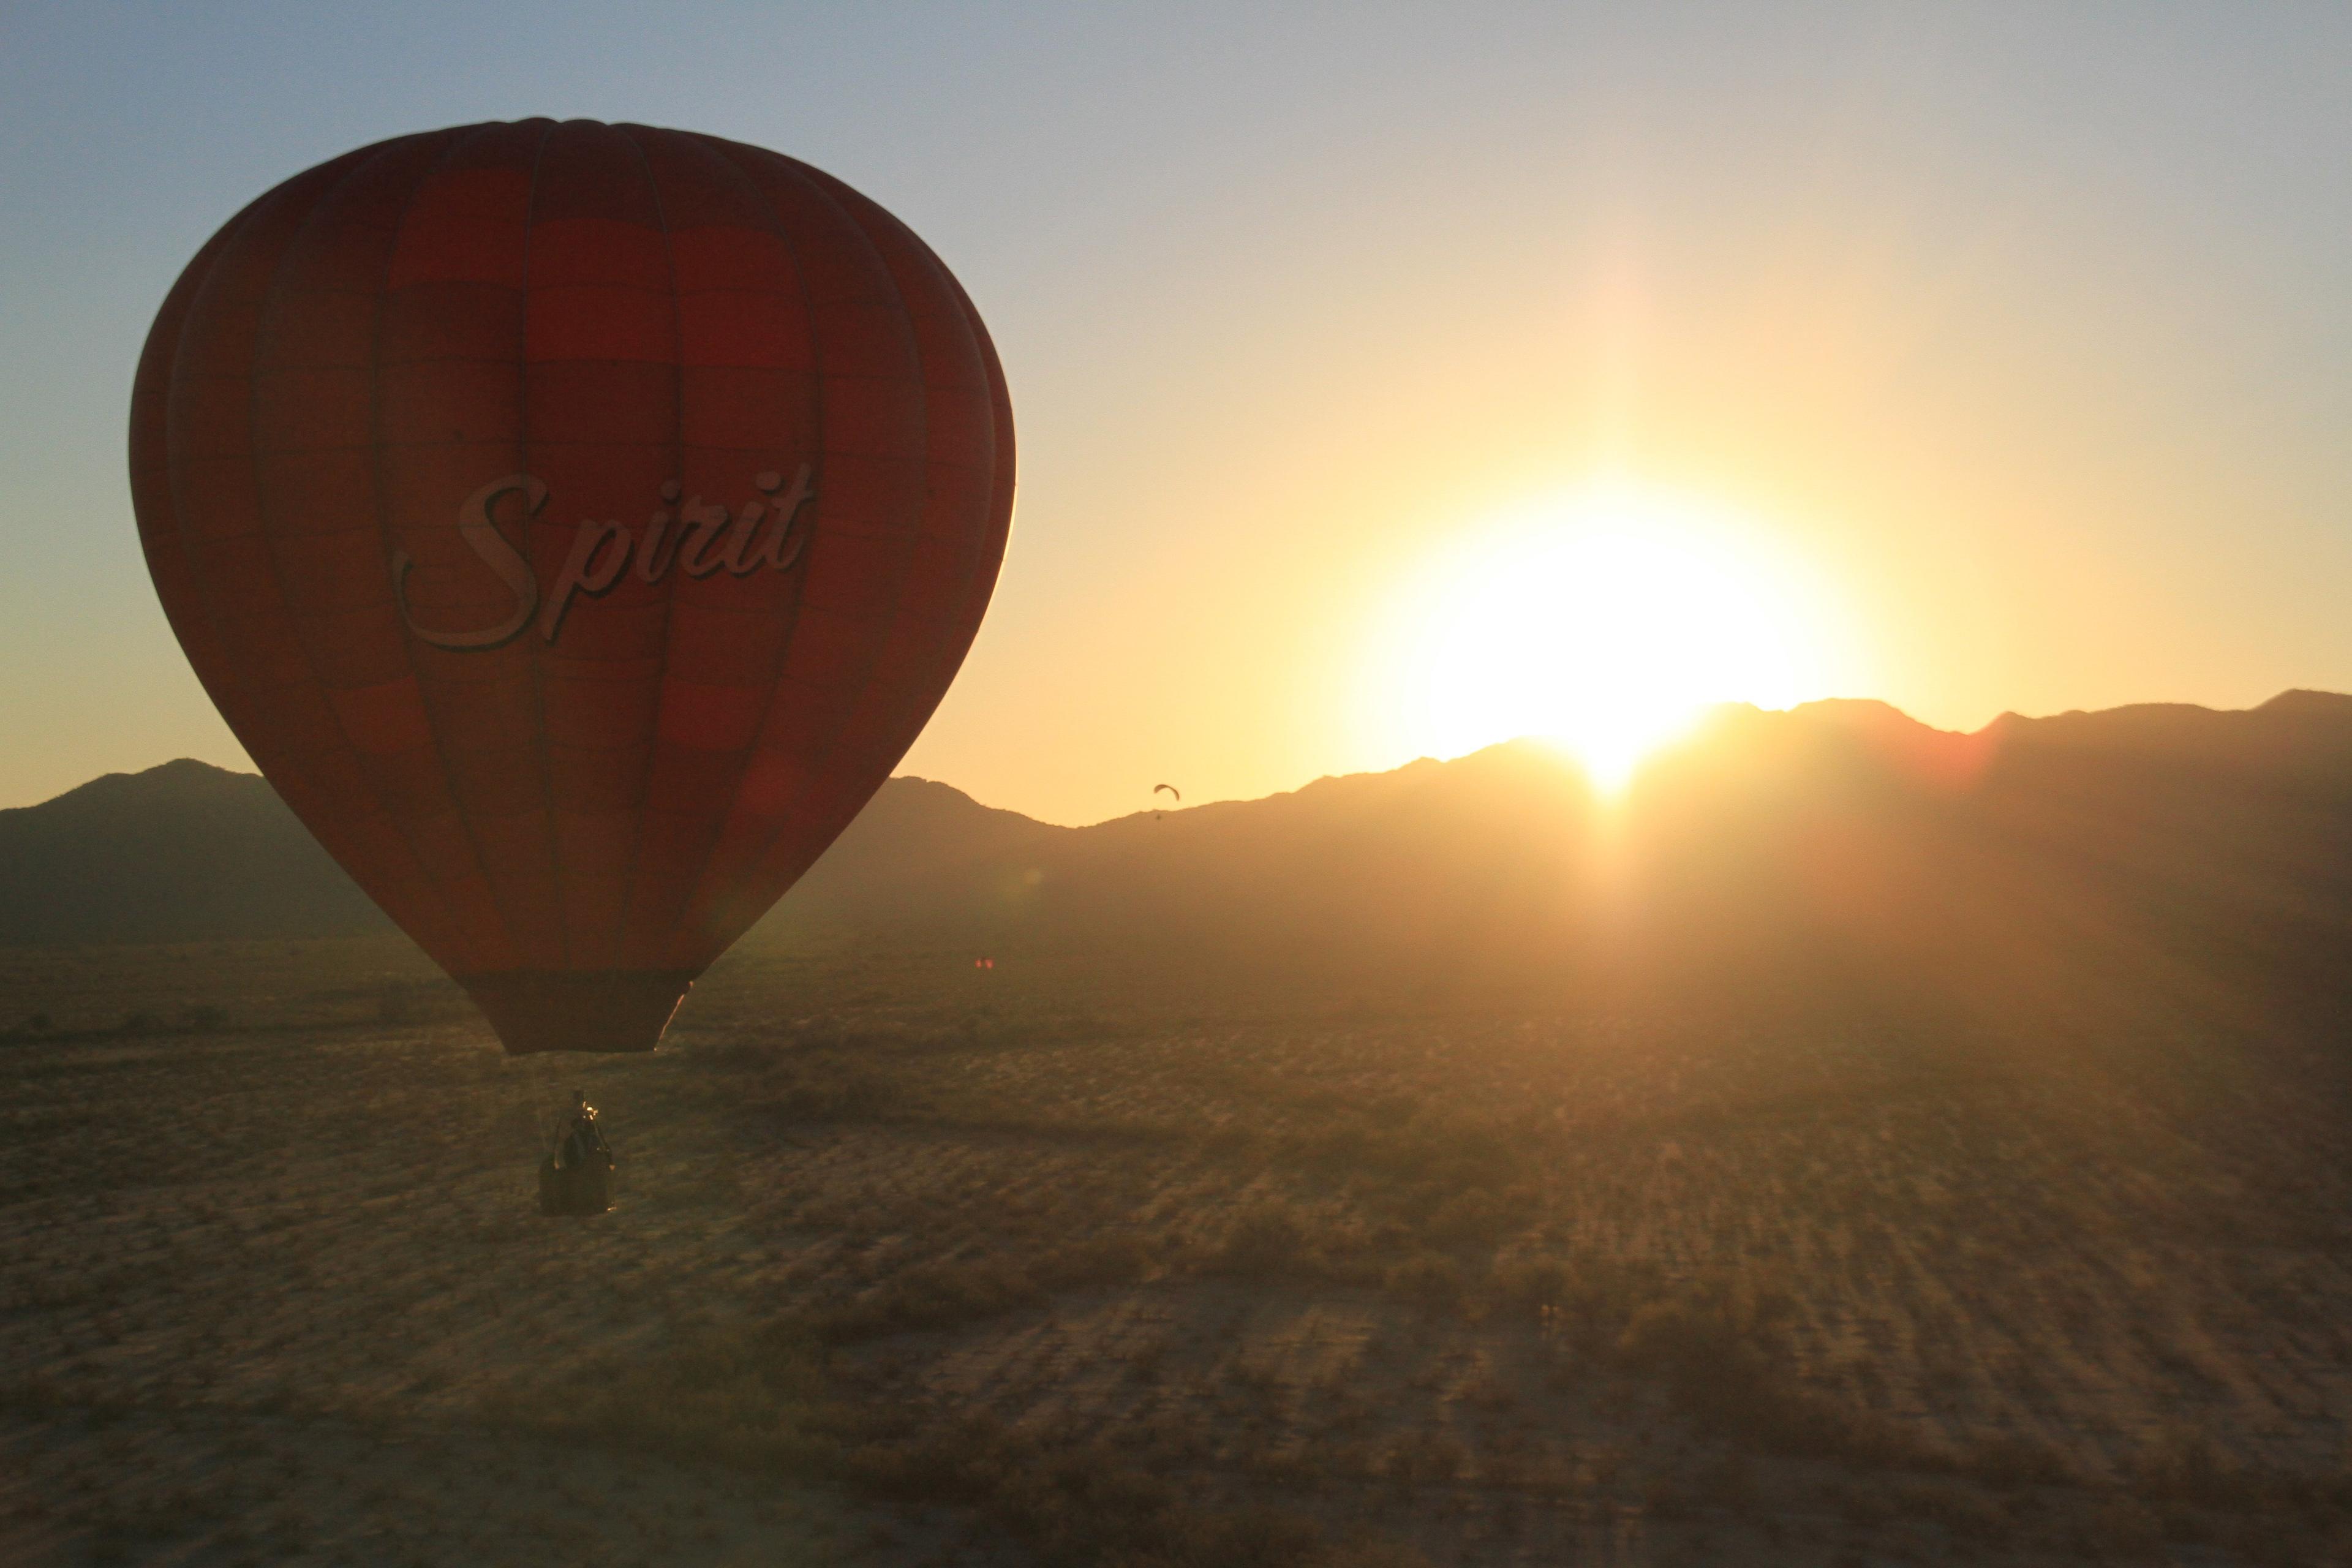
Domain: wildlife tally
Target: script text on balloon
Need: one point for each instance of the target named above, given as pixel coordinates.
(699, 540)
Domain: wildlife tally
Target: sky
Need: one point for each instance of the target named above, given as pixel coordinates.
(1996, 354)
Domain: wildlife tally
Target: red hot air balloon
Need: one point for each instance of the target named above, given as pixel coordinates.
(576, 522)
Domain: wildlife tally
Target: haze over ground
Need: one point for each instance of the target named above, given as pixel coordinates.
(2017, 337)
(2156, 862)
(1941, 1158)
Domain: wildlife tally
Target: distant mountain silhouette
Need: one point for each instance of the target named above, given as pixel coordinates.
(184, 852)
(2186, 858)
(2197, 862)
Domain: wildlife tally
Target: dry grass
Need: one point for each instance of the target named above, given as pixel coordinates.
(913, 1264)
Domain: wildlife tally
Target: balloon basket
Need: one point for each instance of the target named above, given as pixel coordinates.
(573, 1191)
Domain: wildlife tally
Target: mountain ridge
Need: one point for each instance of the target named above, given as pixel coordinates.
(2167, 850)
(181, 852)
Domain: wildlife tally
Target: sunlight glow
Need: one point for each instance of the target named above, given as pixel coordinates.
(1608, 621)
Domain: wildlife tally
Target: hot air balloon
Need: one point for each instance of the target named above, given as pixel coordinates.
(575, 522)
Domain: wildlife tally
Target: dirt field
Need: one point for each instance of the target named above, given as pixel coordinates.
(914, 1263)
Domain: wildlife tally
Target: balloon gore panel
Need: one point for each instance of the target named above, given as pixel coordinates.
(576, 522)
(597, 1010)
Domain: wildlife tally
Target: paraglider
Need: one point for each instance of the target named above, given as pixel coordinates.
(575, 522)
(1171, 789)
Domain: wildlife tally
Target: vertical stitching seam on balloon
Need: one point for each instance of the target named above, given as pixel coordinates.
(948, 650)
(669, 592)
(792, 169)
(938, 661)
(226, 242)
(725, 150)
(262, 317)
(538, 648)
(160, 355)
(703, 871)
(956, 639)
(460, 140)
(209, 258)
(715, 831)
(233, 700)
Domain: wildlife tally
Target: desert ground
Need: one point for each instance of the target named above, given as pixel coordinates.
(914, 1262)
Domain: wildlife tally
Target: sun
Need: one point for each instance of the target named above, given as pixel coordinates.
(1606, 621)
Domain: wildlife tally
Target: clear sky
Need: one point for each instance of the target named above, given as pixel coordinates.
(1975, 358)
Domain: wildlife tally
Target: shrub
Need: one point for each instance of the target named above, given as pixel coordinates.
(1587, 1300)
(945, 1294)
(850, 1092)
(1538, 1288)
(932, 1296)
(1473, 1218)
(398, 1002)
(1715, 1371)
(1265, 1243)
(2186, 1468)
(408, 1002)
(1431, 1281)
(2011, 1463)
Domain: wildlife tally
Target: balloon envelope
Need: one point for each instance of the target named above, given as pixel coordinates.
(575, 522)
